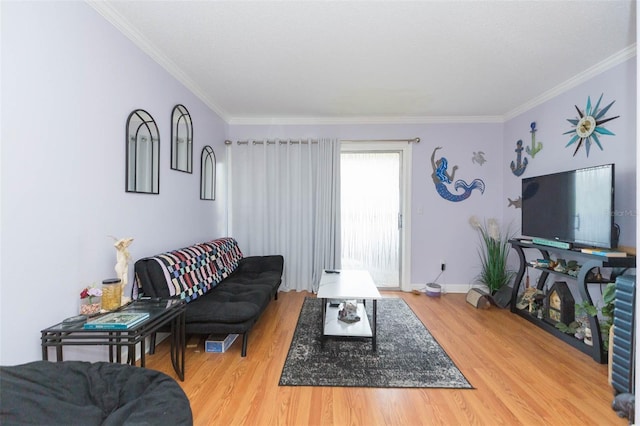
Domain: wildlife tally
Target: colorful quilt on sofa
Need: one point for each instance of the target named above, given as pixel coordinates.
(192, 271)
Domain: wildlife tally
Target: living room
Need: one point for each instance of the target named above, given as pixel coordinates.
(69, 81)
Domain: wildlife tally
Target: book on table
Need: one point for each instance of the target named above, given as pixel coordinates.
(604, 253)
(116, 321)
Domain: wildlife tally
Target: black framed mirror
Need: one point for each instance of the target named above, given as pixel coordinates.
(208, 174)
(143, 153)
(181, 140)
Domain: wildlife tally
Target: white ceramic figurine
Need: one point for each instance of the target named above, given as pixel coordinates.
(122, 262)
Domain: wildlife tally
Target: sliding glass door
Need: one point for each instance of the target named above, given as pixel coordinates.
(372, 212)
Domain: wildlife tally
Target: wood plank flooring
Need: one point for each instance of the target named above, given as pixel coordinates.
(521, 376)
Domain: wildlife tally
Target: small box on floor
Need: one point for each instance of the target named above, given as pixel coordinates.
(219, 342)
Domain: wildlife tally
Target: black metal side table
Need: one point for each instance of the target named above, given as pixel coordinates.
(162, 314)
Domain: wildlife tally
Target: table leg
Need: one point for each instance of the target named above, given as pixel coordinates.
(118, 349)
(374, 324)
(324, 319)
(111, 348)
(142, 354)
(182, 342)
(58, 347)
(178, 343)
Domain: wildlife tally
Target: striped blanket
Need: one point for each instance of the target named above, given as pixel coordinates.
(192, 271)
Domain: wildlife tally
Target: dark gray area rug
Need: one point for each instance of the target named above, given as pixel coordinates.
(407, 355)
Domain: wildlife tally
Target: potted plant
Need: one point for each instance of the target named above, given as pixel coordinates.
(493, 252)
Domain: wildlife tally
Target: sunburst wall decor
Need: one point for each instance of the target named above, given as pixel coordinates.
(588, 126)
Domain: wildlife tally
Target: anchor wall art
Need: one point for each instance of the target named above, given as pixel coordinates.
(535, 146)
(442, 178)
(520, 164)
(588, 126)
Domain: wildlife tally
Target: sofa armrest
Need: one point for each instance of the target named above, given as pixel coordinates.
(149, 275)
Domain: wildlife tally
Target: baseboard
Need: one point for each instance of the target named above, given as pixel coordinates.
(447, 288)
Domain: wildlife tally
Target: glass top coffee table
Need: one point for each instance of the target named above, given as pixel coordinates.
(335, 288)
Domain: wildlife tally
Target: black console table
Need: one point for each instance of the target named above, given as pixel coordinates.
(588, 263)
(162, 313)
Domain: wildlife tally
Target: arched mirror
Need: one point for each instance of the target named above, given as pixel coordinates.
(143, 153)
(181, 140)
(208, 174)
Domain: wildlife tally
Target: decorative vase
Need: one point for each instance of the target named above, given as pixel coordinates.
(90, 307)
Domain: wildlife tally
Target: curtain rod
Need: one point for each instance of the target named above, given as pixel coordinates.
(292, 141)
(272, 142)
(414, 140)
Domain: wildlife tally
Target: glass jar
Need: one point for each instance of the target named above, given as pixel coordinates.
(111, 294)
(90, 305)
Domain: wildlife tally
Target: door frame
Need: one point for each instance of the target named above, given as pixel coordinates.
(405, 196)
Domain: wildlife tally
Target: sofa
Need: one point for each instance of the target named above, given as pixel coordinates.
(84, 393)
(225, 292)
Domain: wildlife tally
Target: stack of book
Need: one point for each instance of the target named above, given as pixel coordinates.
(604, 253)
(116, 321)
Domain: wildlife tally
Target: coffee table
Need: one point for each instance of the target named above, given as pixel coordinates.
(343, 285)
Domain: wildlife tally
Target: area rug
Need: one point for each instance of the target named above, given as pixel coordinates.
(407, 355)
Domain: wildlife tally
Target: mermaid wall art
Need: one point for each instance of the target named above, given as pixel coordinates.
(442, 178)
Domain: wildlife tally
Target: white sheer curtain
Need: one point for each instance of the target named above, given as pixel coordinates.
(285, 199)
(370, 203)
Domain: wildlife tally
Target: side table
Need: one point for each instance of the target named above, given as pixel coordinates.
(162, 313)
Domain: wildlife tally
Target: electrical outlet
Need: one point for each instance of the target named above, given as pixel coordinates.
(443, 265)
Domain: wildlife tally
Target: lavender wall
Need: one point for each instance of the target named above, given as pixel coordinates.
(69, 81)
(440, 229)
(618, 84)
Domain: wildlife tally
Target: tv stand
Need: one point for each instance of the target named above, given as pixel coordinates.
(588, 263)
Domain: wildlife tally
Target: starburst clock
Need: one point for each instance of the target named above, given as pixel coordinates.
(588, 126)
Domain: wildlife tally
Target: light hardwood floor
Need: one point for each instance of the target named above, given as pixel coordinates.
(521, 376)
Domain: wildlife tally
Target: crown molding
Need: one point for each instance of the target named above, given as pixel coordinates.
(589, 73)
(117, 20)
(113, 16)
(362, 120)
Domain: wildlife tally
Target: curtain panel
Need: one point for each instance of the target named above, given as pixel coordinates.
(285, 199)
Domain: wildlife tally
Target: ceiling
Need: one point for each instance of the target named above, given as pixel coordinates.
(378, 61)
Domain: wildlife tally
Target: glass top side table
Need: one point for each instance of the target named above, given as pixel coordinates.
(162, 313)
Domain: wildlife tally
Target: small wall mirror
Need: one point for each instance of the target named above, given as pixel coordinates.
(181, 140)
(208, 174)
(143, 153)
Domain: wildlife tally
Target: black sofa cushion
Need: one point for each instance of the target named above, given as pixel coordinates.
(83, 393)
(230, 305)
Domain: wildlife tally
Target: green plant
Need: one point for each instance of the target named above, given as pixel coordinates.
(493, 252)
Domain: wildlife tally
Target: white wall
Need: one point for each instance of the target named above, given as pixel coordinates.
(69, 82)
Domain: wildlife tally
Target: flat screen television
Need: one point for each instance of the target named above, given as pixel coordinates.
(575, 207)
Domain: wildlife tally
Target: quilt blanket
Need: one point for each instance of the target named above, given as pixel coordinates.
(192, 271)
